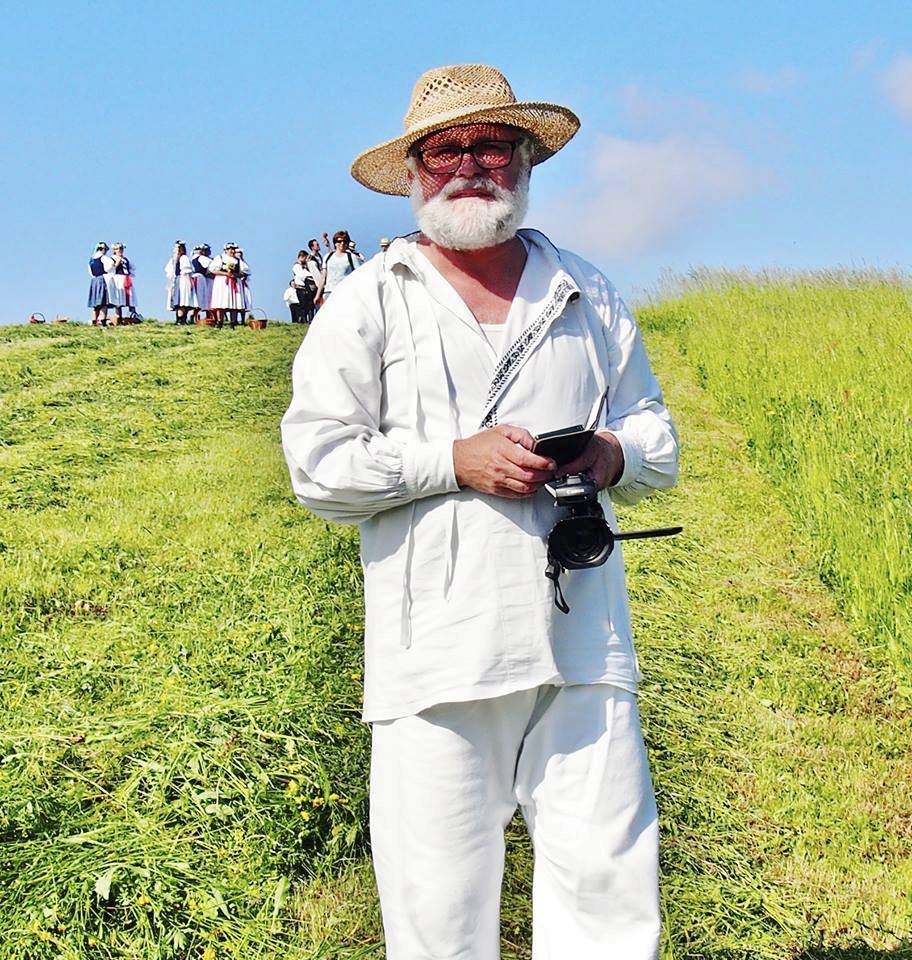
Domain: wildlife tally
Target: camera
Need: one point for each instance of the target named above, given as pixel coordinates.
(581, 537)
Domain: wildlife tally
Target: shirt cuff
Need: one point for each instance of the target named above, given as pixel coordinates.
(427, 468)
(633, 457)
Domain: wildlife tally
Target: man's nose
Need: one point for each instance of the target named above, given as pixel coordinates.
(468, 165)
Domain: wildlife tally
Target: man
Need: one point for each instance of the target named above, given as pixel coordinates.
(384, 244)
(313, 246)
(305, 288)
(339, 263)
(416, 397)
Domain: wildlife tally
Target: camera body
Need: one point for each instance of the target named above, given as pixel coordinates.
(581, 538)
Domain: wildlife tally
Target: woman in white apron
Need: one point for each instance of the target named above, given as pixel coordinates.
(227, 292)
(180, 289)
(201, 279)
(122, 289)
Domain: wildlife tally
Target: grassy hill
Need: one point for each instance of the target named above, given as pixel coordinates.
(182, 769)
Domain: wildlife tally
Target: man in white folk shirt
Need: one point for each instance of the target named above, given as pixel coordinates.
(416, 397)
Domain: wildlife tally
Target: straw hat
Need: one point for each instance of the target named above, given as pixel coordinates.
(454, 96)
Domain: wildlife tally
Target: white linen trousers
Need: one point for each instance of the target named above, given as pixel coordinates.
(444, 785)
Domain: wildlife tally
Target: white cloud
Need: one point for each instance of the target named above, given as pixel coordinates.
(896, 84)
(645, 108)
(640, 195)
(768, 82)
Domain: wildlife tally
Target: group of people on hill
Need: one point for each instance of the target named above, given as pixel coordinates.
(218, 288)
(199, 284)
(314, 277)
(111, 286)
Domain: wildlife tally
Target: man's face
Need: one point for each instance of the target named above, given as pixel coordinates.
(470, 205)
(468, 136)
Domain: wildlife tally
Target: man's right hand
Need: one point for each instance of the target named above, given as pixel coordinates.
(500, 461)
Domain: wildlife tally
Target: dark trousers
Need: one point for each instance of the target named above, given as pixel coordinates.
(305, 304)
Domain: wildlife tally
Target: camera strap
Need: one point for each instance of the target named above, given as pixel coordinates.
(553, 572)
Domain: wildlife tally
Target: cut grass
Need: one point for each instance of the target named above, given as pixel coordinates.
(180, 684)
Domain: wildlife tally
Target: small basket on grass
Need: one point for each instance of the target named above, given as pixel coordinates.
(256, 322)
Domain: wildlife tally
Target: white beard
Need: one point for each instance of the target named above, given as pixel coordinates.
(471, 223)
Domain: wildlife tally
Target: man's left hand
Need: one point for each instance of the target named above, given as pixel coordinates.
(602, 460)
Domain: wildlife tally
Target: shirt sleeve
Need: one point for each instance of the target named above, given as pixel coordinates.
(637, 415)
(342, 466)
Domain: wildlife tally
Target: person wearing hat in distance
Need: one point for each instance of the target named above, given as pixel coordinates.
(415, 399)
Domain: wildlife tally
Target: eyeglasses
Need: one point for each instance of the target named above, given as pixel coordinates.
(488, 154)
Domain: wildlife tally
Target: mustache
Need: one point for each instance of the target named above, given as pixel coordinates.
(474, 183)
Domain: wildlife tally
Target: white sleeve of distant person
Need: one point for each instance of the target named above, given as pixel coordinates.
(637, 415)
(342, 467)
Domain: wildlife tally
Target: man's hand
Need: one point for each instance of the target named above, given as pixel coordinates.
(602, 460)
(499, 461)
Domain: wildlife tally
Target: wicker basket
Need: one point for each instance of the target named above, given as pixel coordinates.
(256, 322)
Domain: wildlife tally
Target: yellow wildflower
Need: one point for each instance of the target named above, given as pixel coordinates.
(209, 953)
(305, 814)
(318, 801)
(356, 676)
(333, 797)
(292, 786)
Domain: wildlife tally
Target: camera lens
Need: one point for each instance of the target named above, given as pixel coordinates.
(578, 542)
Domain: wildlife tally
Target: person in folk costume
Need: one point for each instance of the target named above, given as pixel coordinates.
(227, 294)
(414, 396)
(244, 280)
(122, 289)
(180, 289)
(101, 268)
(201, 280)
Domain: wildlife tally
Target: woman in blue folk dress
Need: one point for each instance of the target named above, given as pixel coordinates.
(101, 270)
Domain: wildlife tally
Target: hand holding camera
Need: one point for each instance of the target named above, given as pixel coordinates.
(500, 461)
(602, 461)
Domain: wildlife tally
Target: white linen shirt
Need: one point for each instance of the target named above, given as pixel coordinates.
(393, 370)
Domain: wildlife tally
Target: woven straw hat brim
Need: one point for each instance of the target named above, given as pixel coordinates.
(383, 168)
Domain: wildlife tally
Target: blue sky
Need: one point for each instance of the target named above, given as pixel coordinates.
(713, 134)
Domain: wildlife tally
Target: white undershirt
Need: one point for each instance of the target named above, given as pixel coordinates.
(495, 333)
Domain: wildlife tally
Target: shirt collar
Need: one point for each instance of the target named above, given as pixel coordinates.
(403, 252)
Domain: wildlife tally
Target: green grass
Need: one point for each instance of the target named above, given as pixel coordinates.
(817, 369)
(182, 681)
